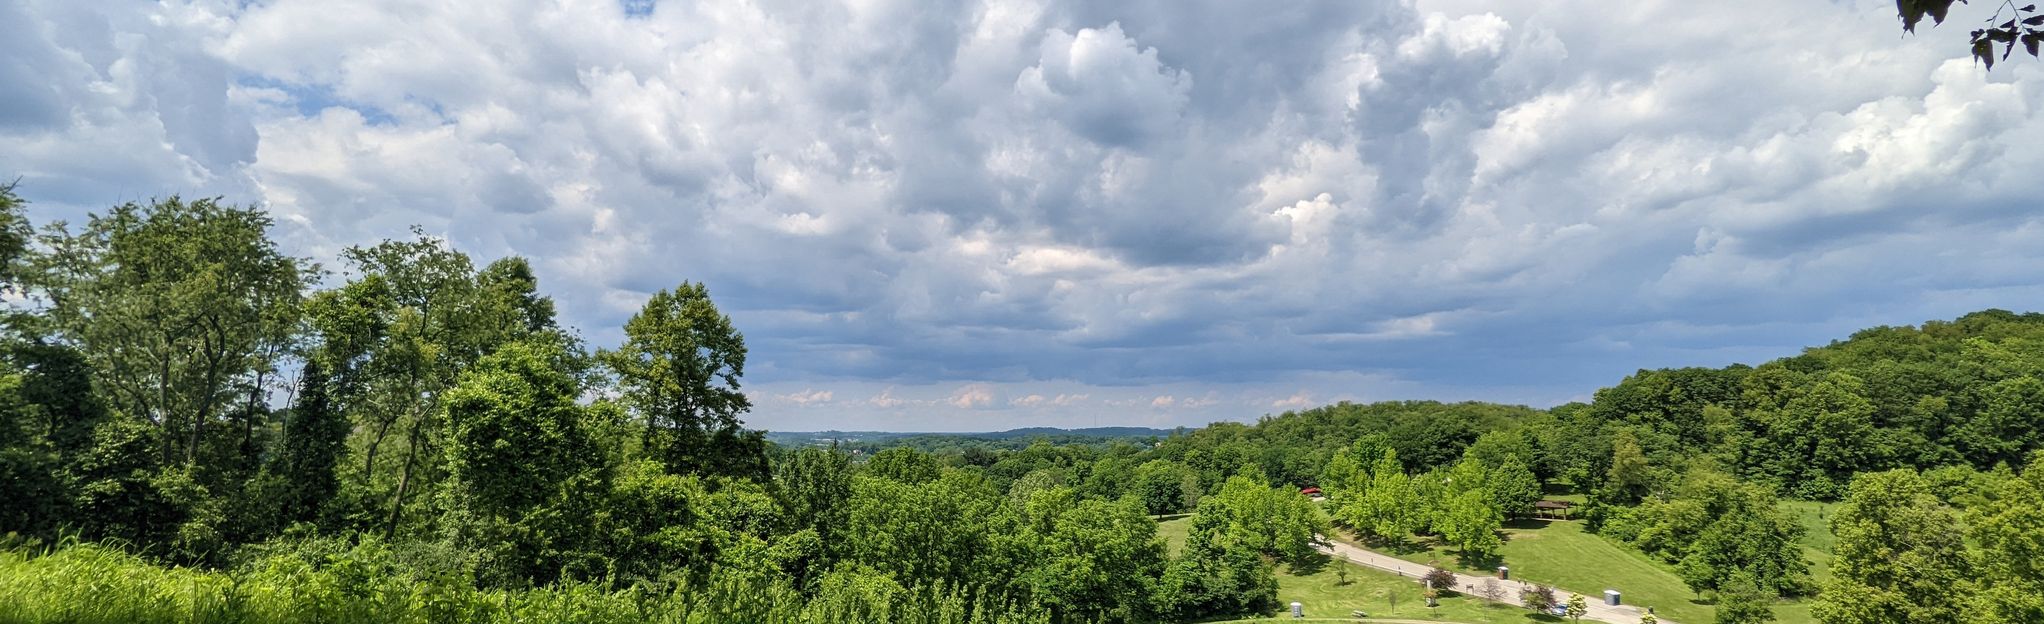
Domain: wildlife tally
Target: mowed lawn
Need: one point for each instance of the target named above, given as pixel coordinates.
(1379, 594)
(1560, 554)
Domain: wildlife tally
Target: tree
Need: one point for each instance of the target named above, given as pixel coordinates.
(182, 309)
(1439, 579)
(1275, 522)
(15, 236)
(1162, 486)
(515, 432)
(905, 465)
(679, 369)
(411, 318)
(1744, 601)
(315, 434)
(2010, 559)
(1514, 487)
(1216, 575)
(1389, 509)
(2020, 28)
(1471, 522)
(1713, 527)
(1100, 562)
(1630, 477)
(1900, 556)
(1539, 598)
(1577, 607)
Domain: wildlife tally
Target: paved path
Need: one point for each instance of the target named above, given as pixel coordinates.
(1472, 585)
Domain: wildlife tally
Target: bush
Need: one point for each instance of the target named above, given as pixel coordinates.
(1440, 579)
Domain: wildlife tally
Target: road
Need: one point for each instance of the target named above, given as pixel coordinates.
(1472, 585)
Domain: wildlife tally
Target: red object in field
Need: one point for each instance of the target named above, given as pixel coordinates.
(1311, 491)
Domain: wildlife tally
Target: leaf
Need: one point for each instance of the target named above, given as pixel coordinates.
(2030, 42)
(2037, 20)
(2028, 8)
(1984, 51)
(1938, 8)
(2004, 36)
(1910, 12)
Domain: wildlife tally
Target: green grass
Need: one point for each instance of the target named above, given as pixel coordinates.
(1562, 555)
(1817, 538)
(1380, 594)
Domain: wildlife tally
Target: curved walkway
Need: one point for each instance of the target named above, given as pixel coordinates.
(1470, 585)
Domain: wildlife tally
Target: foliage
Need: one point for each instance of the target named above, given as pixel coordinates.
(1743, 600)
(1577, 607)
(1714, 528)
(1471, 522)
(1539, 598)
(1900, 555)
(679, 369)
(2021, 26)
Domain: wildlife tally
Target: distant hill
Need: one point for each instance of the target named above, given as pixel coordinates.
(1012, 438)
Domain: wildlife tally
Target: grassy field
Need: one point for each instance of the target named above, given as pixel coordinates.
(1322, 594)
(1562, 555)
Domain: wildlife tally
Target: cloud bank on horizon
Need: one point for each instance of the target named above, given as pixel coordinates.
(974, 215)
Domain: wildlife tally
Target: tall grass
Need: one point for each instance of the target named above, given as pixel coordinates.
(95, 584)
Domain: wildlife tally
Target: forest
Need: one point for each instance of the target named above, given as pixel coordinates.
(196, 426)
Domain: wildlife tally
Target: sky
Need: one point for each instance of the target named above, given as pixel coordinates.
(953, 215)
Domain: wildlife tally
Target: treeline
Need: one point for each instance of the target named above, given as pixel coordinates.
(174, 390)
(191, 429)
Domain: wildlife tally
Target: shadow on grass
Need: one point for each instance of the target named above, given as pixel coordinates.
(1398, 546)
(1309, 565)
(1528, 524)
(1479, 561)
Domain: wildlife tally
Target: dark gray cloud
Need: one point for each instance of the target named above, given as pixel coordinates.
(977, 214)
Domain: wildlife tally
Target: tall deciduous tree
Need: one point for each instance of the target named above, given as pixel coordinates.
(413, 315)
(679, 369)
(2010, 559)
(1471, 522)
(183, 308)
(314, 436)
(1900, 555)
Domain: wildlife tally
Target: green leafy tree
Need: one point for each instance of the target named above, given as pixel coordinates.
(1471, 523)
(1217, 575)
(515, 431)
(679, 369)
(521, 459)
(395, 337)
(905, 465)
(922, 532)
(1100, 563)
(1162, 487)
(1276, 522)
(315, 435)
(1390, 509)
(1630, 478)
(1577, 607)
(2010, 560)
(183, 309)
(1742, 600)
(1900, 555)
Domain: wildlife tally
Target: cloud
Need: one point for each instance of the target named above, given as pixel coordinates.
(1057, 211)
(807, 397)
(1300, 400)
(972, 396)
